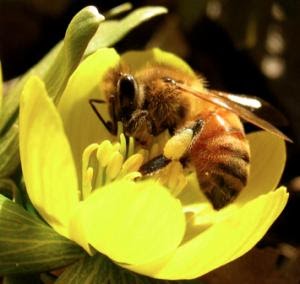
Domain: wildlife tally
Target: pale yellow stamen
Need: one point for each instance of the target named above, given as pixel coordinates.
(109, 163)
(144, 153)
(104, 153)
(173, 177)
(154, 151)
(117, 161)
(86, 178)
(114, 166)
(116, 146)
(131, 147)
(132, 176)
(87, 182)
(123, 146)
(132, 164)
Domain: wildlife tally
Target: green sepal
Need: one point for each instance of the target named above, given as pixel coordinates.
(55, 69)
(116, 11)
(28, 245)
(22, 279)
(101, 270)
(112, 31)
(9, 151)
(9, 189)
(79, 32)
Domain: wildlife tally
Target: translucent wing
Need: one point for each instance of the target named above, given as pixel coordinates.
(243, 106)
(258, 106)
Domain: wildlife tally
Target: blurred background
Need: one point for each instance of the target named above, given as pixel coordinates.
(248, 47)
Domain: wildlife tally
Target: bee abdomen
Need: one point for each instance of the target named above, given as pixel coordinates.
(222, 166)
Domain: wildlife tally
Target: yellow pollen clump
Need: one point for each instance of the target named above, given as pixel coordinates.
(178, 144)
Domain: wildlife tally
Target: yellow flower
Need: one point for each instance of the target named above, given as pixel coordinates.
(85, 189)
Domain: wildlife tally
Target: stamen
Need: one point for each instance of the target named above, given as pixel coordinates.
(87, 182)
(104, 153)
(100, 177)
(123, 147)
(114, 166)
(132, 164)
(144, 153)
(173, 177)
(118, 160)
(131, 147)
(132, 176)
(154, 151)
(86, 179)
(181, 184)
(116, 146)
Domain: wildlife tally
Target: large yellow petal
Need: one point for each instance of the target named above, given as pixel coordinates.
(81, 123)
(267, 163)
(46, 157)
(131, 222)
(140, 59)
(222, 242)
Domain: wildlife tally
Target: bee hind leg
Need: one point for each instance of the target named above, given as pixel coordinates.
(175, 149)
(154, 165)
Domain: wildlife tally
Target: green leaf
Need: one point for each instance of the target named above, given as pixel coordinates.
(80, 31)
(116, 11)
(111, 32)
(9, 151)
(28, 245)
(100, 270)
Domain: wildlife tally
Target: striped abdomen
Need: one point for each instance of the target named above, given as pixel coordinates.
(220, 154)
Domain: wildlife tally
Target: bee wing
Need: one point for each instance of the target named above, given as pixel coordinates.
(242, 106)
(257, 106)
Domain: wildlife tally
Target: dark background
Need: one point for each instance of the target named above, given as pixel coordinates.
(250, 47)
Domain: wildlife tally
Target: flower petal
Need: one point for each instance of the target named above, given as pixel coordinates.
(222, 242)
(132, 222)
(140, 59)
(81, 123)
(267, 163)
(46, 157)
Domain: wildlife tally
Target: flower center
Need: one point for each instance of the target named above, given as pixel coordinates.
(107, 162)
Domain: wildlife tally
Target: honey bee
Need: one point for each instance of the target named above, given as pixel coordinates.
(161, 97)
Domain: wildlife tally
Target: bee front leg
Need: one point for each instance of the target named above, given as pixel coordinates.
(175, 149)
(139, 126)
(110, 126)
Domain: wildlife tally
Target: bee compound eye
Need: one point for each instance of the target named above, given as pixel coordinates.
(127, 86)
(127, 91)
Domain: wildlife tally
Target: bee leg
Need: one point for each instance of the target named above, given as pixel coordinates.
(154, 165)
(175, 148)
(140, 127)
(179, 144)
(111, 126)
